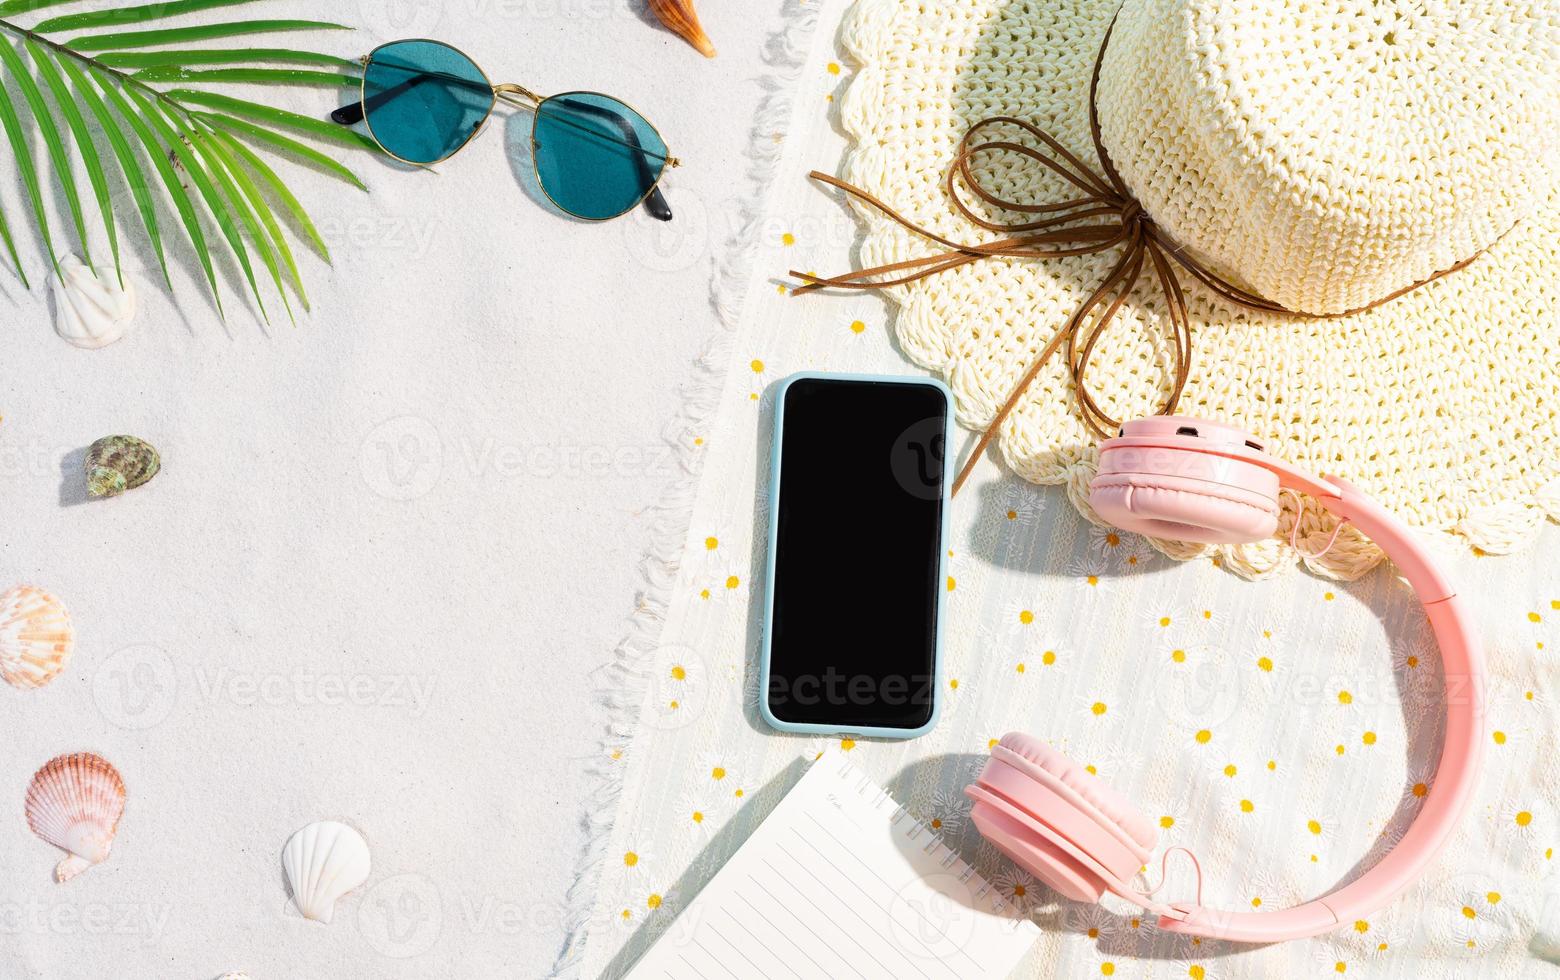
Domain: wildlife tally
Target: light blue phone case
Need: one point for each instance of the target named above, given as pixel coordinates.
(774, 530)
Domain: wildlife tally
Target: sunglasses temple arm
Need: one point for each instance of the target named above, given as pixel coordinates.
(348, 114)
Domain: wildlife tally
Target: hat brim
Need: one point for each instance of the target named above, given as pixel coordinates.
(1443, 404)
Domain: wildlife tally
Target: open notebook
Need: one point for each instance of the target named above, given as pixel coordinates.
(839, 881)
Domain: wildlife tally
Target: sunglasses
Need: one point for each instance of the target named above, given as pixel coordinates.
(596, 158)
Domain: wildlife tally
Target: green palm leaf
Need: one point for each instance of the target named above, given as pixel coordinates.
(204, 32)
(134, 176)
(277, 117)
(52, 78)
(213, 145)
(205, 149)
(285, 144)
(220, 56)
(278, 190)
(10, 246)
(13, 7)
(24, 162)
(118, 16)
(256, 76)
(158, 153)
(51, 140)
(215, 205)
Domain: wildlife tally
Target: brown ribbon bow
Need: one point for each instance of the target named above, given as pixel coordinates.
(1103, 216)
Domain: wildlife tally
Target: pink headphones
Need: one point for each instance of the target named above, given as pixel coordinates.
(1189, 479)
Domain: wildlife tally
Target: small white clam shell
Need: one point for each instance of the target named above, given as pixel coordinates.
(323, 862)
(90, 310)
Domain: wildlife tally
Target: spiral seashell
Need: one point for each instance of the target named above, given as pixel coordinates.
(90, 310)
(680, 19)
(74, 802)
(36, 638)
(119, 463)
(323, 862)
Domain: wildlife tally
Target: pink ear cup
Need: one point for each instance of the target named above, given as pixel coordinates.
(1168, 477)
(1058, 821)
(1031, 850)
(1109, 807)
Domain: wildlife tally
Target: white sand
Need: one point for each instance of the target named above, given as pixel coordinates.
(268, 634)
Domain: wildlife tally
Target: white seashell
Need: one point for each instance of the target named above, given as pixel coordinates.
(90, 310)
(323, 862)
(36, 638)
(74, 802)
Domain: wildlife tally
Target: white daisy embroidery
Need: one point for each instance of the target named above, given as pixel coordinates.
(697, 812)
(1092, 922)
(711, 770)
(1090, 579)
(757, 374)
(729, 582)
(945, 815)
(1477, 926)
(1040, 658)
(1017, 886)
(1265, 890)
(1021, 504)
(1528, 822)
(1021, 616)
(1107, 542)
(1377, 938)
(1333, 956)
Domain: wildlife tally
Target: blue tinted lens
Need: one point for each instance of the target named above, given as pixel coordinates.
(422, 100)
(596, 158)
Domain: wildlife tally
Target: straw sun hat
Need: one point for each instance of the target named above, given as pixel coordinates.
(1354, 205)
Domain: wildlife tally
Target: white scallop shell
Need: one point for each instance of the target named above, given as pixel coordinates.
(90, 310)
(74, 802)
(36, 638)
(323, 862)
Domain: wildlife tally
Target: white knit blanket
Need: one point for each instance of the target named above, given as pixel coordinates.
(1277, 728)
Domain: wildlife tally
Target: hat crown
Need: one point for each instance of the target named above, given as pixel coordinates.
(1327, 155)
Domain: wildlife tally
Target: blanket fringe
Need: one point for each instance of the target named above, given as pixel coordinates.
(621, 687)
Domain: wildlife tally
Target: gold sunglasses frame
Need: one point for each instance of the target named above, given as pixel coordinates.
(519, 97)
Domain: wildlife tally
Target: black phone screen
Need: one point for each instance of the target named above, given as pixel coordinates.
(858, 546)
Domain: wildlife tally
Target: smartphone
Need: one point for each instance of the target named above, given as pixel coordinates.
(858, 528)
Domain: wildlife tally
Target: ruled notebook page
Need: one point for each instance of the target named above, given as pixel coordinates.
(839, 881)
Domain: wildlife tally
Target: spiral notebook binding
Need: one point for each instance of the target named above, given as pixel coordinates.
(947, 857)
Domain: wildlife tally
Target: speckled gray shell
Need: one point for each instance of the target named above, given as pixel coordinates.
(119, 463)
